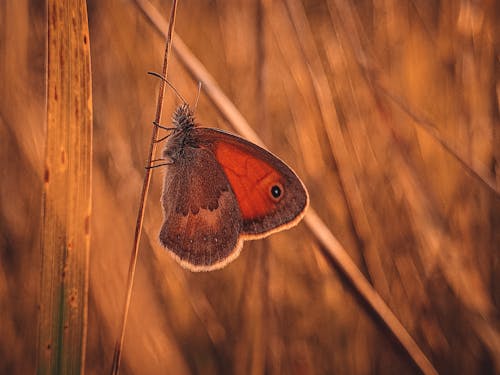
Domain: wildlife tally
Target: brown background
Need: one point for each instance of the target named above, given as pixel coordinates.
(341, 91)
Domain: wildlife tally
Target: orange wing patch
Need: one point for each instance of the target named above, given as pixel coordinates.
(251, 179)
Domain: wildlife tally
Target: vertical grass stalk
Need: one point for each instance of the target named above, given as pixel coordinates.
(115, 367)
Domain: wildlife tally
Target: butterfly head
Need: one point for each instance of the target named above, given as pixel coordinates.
(183, 117)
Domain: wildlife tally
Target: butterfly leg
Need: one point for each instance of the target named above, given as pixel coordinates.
(151, 166)
(161, 139)
(164, 128)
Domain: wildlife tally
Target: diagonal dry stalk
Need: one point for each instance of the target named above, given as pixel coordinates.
(198, 71)
(145, 188)
(333, 249)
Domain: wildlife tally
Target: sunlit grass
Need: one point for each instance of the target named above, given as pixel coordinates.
(340, 91)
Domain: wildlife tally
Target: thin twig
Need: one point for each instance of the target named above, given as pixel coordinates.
(145, 188)
(331, 246)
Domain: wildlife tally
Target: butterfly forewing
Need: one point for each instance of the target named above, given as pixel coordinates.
(253, 173)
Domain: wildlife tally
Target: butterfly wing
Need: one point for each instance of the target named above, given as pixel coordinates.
(202, 220)
(270, 195)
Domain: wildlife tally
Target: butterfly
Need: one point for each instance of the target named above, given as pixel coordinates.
(220, 190)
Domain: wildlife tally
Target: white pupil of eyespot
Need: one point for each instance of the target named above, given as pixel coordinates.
(276, 191)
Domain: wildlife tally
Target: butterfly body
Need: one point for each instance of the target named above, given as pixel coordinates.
(220, 190)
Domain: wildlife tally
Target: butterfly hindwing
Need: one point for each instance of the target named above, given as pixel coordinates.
(202, 220)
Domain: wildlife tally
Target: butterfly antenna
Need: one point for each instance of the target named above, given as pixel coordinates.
(197, 97)
(171, 86)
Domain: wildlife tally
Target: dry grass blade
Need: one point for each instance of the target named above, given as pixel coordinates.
(347, 169)
(425, 124)
(319, 229)
(411, 83)
(145, 188)
(353, 194)
(67, 192)
(438, 245)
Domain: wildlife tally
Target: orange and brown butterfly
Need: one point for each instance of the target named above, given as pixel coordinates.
(220, 190)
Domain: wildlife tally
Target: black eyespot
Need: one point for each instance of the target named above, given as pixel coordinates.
(276, 191)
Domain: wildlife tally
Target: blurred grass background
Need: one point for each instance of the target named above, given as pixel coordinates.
(342, 92)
